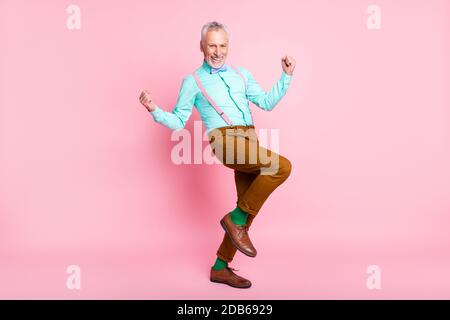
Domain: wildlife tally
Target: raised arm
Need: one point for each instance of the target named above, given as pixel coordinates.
(176, 119)
(268, 100)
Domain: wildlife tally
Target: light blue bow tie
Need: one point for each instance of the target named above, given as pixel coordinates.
(216, 70)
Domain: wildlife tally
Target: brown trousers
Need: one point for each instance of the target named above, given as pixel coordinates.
(257, 172)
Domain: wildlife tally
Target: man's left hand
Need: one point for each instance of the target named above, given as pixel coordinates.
(288, 64)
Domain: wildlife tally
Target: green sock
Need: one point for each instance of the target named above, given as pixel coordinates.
(220, 264)
(238, 216)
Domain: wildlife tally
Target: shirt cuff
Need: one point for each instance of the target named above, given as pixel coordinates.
(284, 75)
(157, 114)
(285, 78)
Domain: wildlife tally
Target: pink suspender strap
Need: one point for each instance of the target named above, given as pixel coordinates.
(211, 101)
(242, 76)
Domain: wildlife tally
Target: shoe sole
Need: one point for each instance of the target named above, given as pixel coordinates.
(234, 242)
(223, 282)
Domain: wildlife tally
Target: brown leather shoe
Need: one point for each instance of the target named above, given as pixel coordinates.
(238, 235)
(227, 276)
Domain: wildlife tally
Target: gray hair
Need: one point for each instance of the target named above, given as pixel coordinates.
(214, 25)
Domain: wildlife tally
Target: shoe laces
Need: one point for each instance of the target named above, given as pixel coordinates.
(243, 228)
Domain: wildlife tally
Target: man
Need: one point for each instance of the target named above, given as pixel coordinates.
(221, 93)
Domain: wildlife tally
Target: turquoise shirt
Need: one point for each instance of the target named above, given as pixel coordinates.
(228, 90)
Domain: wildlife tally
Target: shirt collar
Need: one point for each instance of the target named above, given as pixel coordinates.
(207, 67)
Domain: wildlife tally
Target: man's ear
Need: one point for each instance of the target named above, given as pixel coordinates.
(201, 49)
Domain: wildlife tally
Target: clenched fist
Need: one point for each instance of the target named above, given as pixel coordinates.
(288, 64)
(147, 101)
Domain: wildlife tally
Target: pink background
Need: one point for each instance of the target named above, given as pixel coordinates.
(86, 176)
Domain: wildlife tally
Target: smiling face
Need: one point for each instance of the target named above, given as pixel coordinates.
(215, 47)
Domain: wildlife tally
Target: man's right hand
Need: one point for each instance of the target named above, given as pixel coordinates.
(147, 101)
